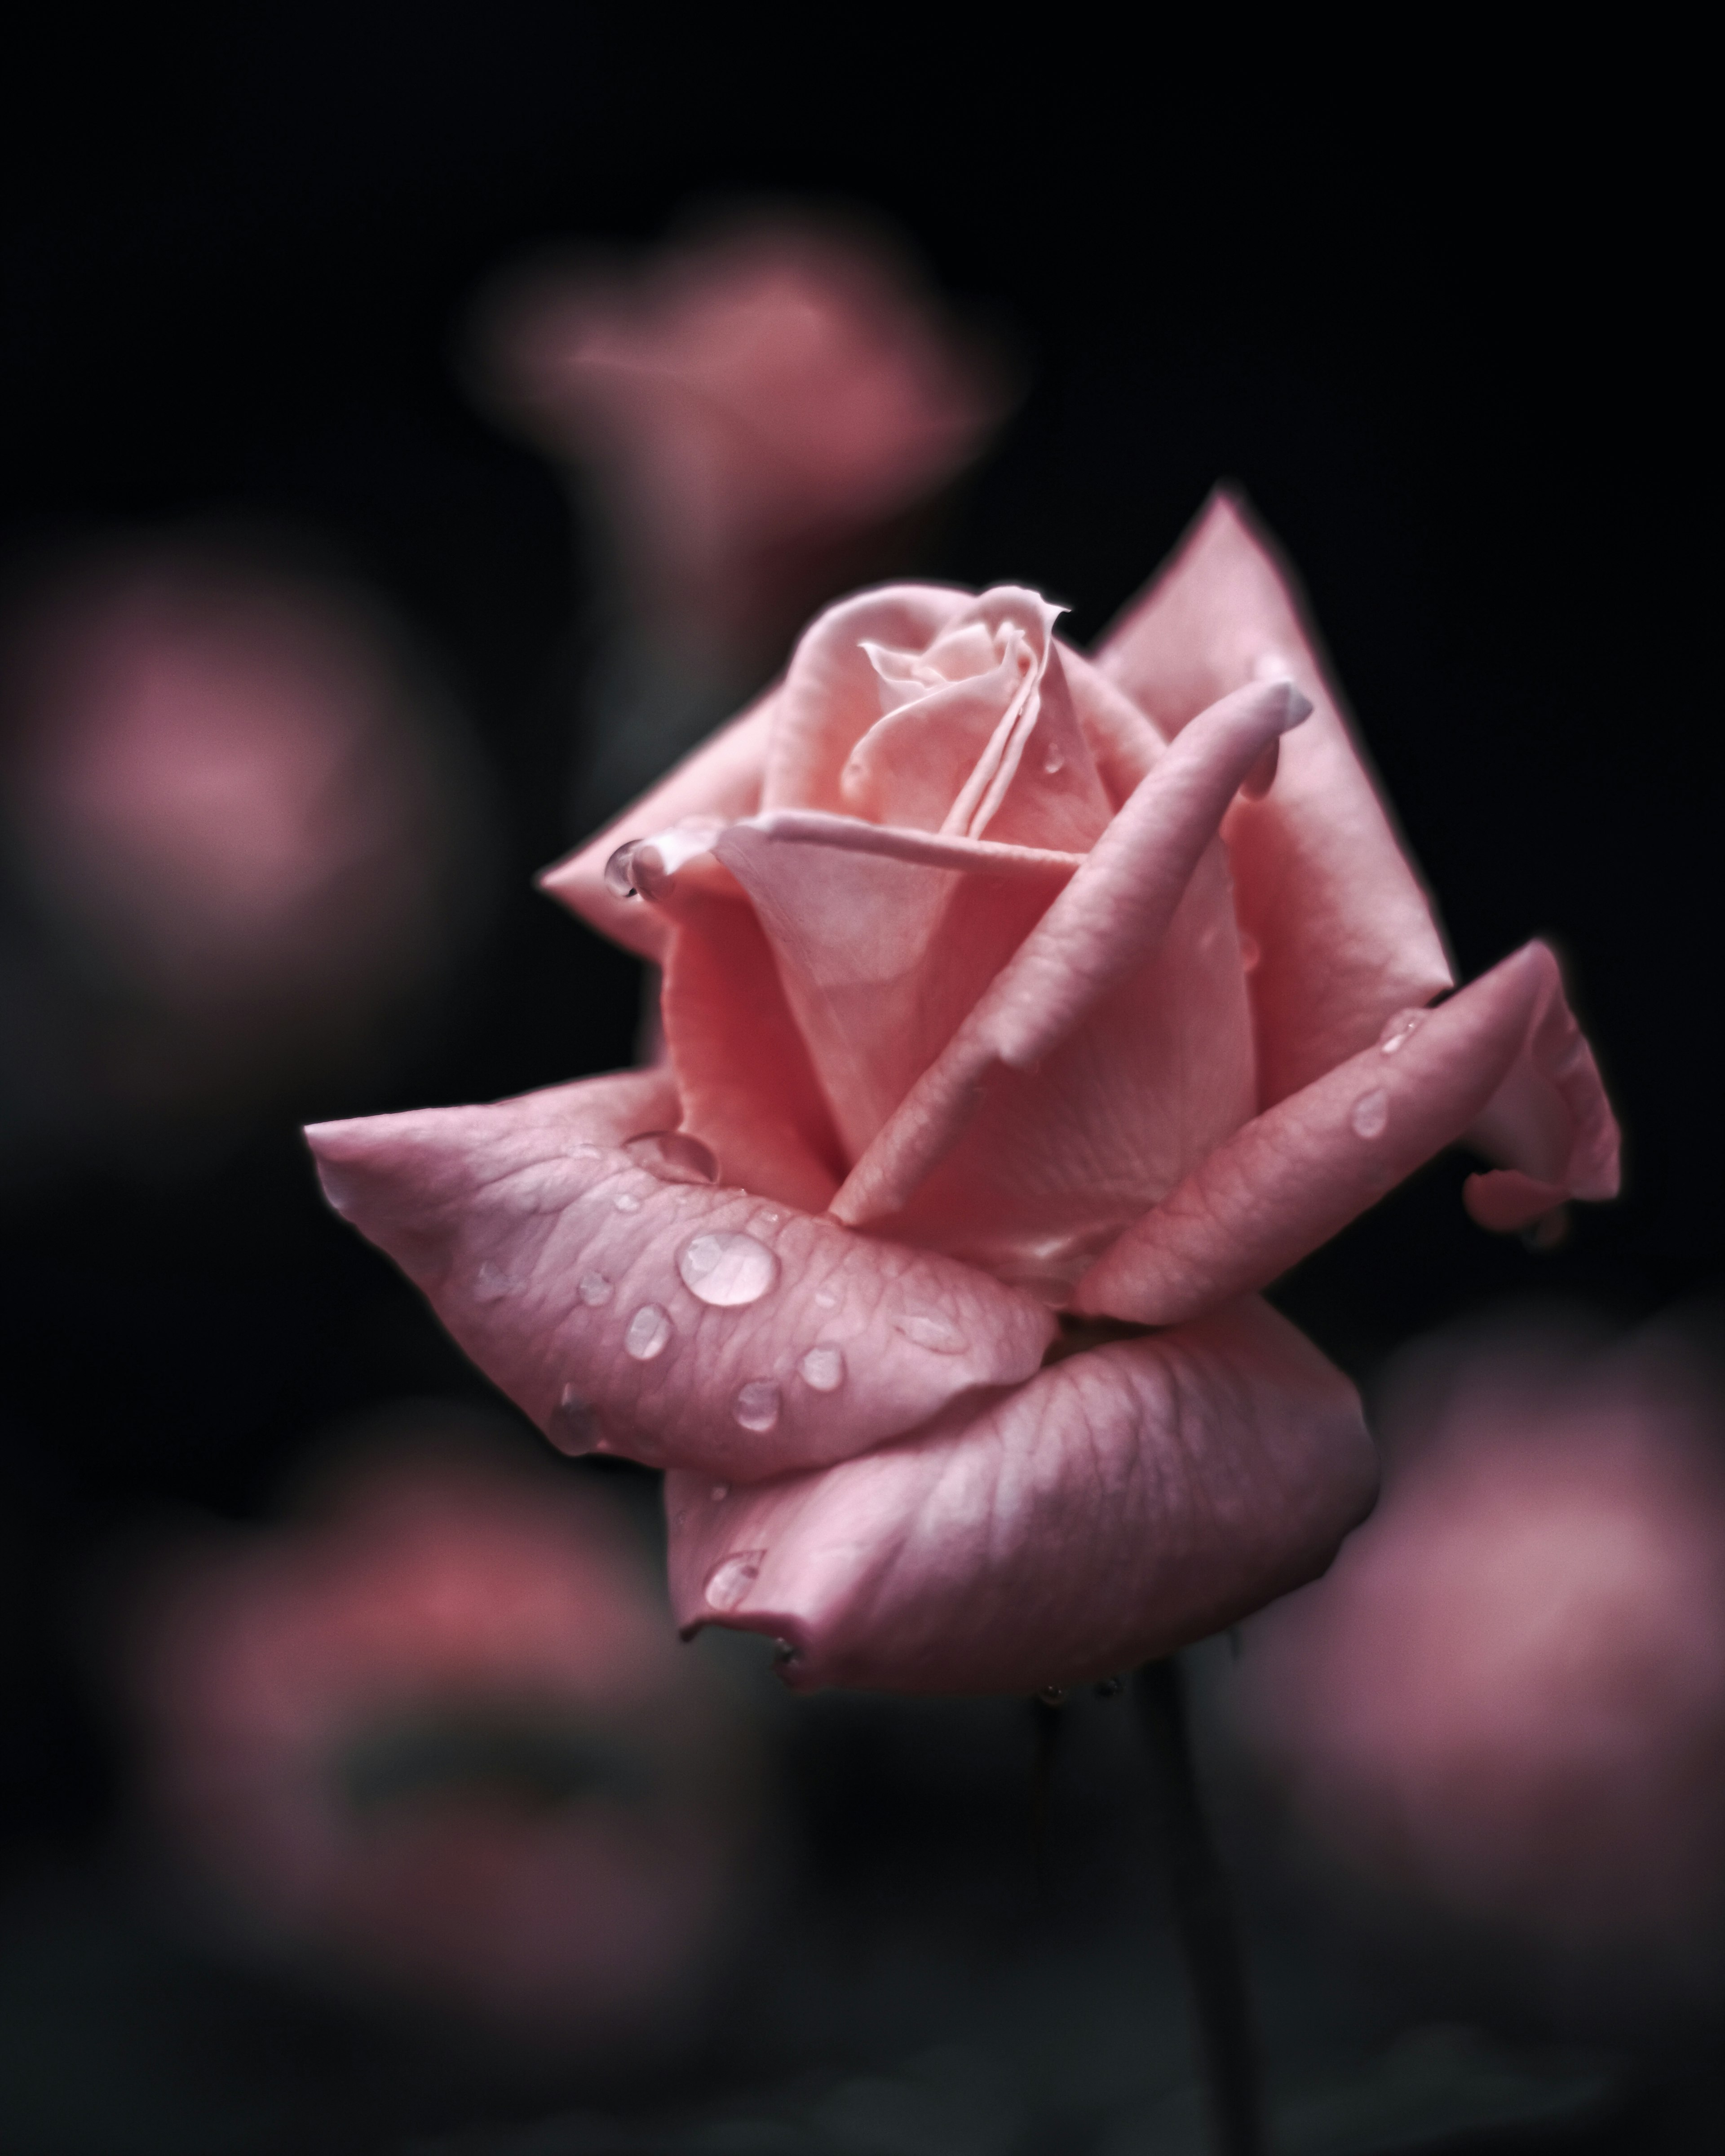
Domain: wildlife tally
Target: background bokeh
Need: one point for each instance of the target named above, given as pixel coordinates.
(1443, 319)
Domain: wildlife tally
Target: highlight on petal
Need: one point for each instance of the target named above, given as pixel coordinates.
(1126, 1501)
(675, 1322)
(720, 781)
(1300, 1172)
(1112, 918)
(1324, 886)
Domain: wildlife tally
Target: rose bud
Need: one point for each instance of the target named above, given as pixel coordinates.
(998, 981)
(438, 1739)
(241, 813)
(1504, 1709)
(755, 414)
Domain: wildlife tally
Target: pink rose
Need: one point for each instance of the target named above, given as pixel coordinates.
(1506, 1702)
(440, 1737)
(997, 981)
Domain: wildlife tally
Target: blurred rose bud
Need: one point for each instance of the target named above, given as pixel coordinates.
(1505, 1705)
(440, 1737)
(238, 810)
(757, 410)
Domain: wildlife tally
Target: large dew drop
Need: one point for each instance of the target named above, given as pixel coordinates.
(726, 1269)
(1371, 1114)
(649, 1332)
(757, 1404)
(619, 876)
(731, 1578)
(574, 1426)
(822, 1369)
(922, 1328)
(674, 1157)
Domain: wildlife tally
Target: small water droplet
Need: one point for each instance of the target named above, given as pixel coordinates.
(490, 1282)
(619, 880)
(924, 1329)
(649, 1330)
(1054, 758)
(783, 1653)
(1370, 1116)
(1399, 1029)
(719, 1492)
(595, 1289)
(1109, 1687)
(822, 1369)
(769, 1219)
(1052, 1695)
(1252, 954)
(583, 1151)
(625, 1201)
(726, 1269)
(824, 1299)
(674, 1157)
(757, 1404)
(574, 1426)
(732, 1577)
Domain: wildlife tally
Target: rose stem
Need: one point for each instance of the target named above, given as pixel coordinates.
(1204, 1921)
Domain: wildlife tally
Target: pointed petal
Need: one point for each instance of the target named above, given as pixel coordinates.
(1124, 1502)
(721, 779)
(1111, 920)
(540, 1246)
(1323, 884)
(1299, 1172)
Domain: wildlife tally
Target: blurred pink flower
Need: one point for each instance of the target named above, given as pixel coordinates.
(441, 1738)
(1000, 980)
(222, 786)
(1506, 1701)
(751, 402)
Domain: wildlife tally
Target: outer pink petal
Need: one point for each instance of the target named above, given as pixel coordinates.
(1294, 1176)
(1322, 882)
(721, 779)
(501, 1214)
(1110, 922)
(1122, 1503)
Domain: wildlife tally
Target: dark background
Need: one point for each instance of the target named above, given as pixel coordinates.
(1439, 309)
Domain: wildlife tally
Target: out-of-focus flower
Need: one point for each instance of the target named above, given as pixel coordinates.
(758, 408)
(1506, 1704)
(1002, 981)
(238, 811)
(441, 1737)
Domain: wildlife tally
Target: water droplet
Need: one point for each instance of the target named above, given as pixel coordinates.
(1251, 954)
(490, 1282)
(649, 1331)
(732, 1577)
(1399, 1029)
(783, 1653)
(719, 1492)
(574, 1426)
(1053, 759)
(923, 1329)
(822, 1369)
(583, 1151)
(674, 1157)
(1052, 1695)
(824, 1299)
(595, 1289)
(625, 1201)
(619, 880)
(726, 1269)
(757, 1404)
(1109, 1687)
(1370, 1116)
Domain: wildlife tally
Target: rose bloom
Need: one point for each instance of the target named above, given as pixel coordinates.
(1018, 1001)
(1505, 1704)
(438, 1737)
(235, 804)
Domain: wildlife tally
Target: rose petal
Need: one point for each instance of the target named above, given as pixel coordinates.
(1322, 882)
(721, 779)
(1124, 1502)
(1299, 1172)
(883, 952)
(749, 1090)
(1110, 921)
(540, 1244)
